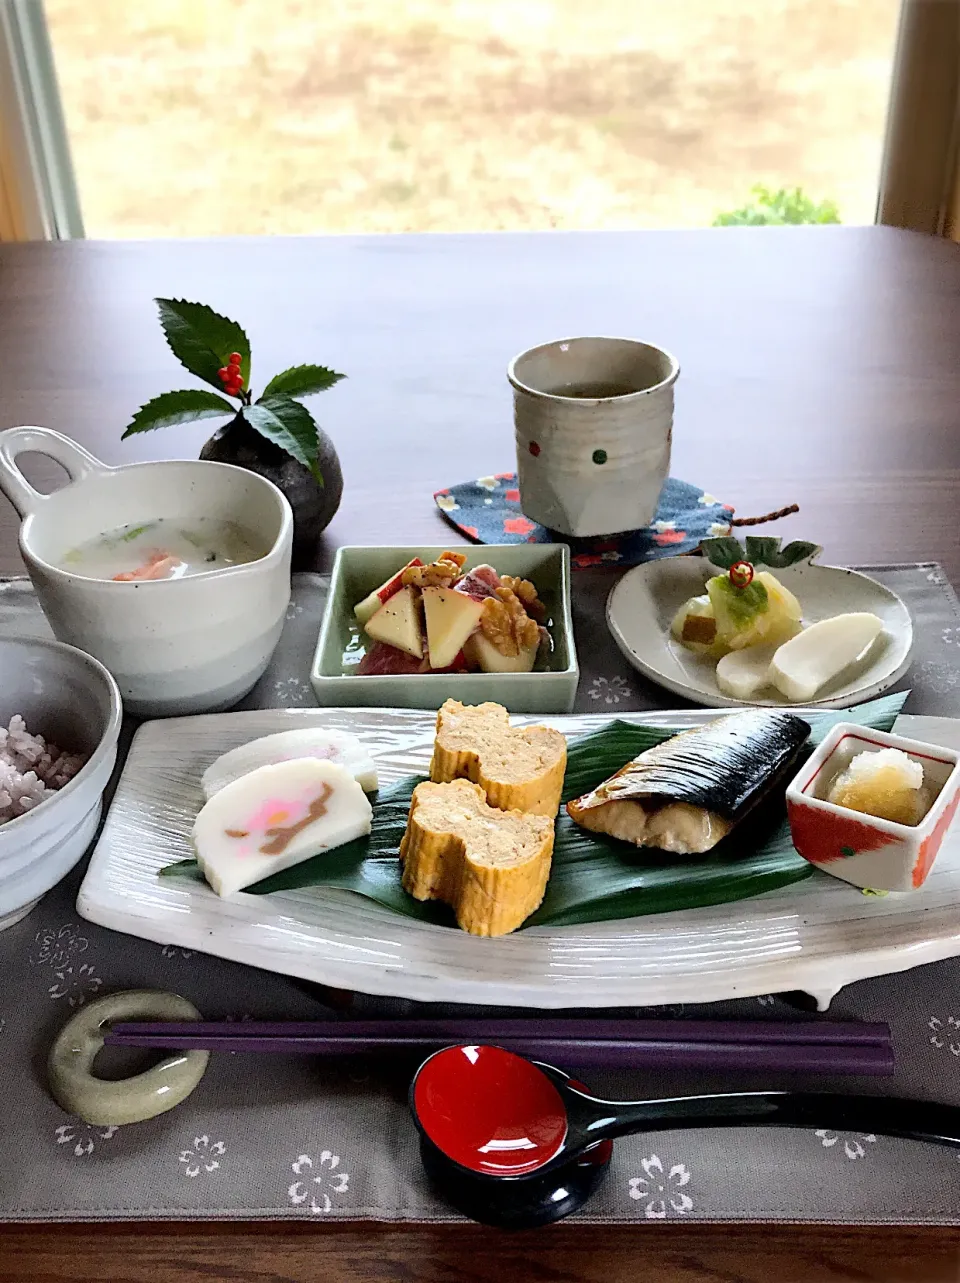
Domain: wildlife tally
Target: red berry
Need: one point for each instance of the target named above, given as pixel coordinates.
(233, 389)
(235, 358)
(225, 374)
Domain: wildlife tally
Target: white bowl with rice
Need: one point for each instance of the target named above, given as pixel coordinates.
(60, 714)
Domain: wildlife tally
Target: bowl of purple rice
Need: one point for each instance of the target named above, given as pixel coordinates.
(60, 713)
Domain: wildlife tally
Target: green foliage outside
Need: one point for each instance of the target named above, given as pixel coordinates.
(788, 205)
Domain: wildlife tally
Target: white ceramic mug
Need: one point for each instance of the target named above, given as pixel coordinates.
(175, 646)
(594, 422)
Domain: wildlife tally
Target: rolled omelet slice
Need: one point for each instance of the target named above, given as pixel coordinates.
(518, 768)
(490, 865)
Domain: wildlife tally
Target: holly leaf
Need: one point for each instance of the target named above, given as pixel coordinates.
(289, 425)
(767, 552)
(202, 339)
(301, 380)
(177, 407)
(722, 552)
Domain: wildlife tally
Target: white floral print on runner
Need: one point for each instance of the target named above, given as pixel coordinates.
(203, 1157)
(657, 1013)
(76, 983)
(317, 1181)
(945, 1033)
(292, 692)
(174, 951)
(56, 946)
(853, 1142)
(662, 1192)
(83, 1137)
(609, 690)
(937, 677)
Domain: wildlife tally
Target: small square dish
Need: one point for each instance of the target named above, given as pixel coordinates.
(865, 849)
(358, 572)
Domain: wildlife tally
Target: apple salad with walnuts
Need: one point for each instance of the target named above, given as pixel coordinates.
(439, 618)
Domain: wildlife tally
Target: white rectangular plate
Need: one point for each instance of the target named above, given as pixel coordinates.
(817, 935)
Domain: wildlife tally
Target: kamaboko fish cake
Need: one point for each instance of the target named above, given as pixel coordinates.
(275, 817)
(284, 746)
(686, 794)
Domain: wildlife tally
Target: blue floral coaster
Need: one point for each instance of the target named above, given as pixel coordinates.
(488, 511)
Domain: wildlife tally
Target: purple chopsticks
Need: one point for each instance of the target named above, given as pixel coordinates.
(827, 1047)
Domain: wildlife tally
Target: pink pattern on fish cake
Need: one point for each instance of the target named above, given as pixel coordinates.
(256, 826)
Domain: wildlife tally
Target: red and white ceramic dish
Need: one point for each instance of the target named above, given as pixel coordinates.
(862, 849)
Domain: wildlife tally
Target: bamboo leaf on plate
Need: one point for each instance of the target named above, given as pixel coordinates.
(594, 878)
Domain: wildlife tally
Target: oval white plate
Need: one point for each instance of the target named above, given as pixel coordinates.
(641, 608)
(817, 935)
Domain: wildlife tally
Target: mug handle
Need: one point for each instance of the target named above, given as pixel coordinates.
(78, 463)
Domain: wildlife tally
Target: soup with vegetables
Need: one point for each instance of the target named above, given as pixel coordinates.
(163, 549)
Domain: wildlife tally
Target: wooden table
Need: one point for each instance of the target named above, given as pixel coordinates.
(819, 366)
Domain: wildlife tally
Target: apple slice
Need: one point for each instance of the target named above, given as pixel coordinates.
(481, 653)
(373, 601)
(451, 617)
(397, 623)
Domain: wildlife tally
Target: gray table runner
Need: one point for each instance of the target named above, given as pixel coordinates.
(294, 1137)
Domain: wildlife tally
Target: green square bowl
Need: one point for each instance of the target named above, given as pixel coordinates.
(550, 688)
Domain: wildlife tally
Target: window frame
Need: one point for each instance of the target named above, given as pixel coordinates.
(919, 186)
(38, 190)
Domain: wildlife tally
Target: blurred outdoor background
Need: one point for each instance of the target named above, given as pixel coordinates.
(202, 117)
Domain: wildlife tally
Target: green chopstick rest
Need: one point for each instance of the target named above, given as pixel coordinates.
(103, 1103)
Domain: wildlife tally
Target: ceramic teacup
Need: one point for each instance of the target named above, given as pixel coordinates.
(175, 646)
(594, 420)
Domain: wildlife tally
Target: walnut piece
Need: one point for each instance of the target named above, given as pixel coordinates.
(506, 624)
(527, 592)
(442, 573)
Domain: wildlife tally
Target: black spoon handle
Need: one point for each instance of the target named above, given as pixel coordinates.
(594, 1119)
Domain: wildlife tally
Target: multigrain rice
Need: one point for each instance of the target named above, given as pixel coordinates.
(30, 769)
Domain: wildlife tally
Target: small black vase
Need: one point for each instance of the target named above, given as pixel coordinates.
(314, 506)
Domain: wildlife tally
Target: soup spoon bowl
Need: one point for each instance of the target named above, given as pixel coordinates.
(516, 1143)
